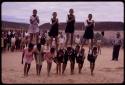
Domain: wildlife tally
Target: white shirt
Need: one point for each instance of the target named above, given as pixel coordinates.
(34, 19)
(86, 24)
(61, 40)
(77, 40)
(26, 34)
(13, 40)
(117, 41)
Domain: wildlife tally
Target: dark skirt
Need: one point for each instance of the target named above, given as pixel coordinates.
(69, 28)
(72, 59)
(79, 60)
(65, 59)
(116, 49)
(53, 31)
(89, 34)
(91, 58)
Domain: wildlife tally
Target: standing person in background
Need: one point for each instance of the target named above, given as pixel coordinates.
(53, 33)
(89, 33)
(70, 26)
(34, 28)
(117, 42)
(13, 40)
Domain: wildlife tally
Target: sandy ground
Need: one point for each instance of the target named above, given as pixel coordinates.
(106, 70)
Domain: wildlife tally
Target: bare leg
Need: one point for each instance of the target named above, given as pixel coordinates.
(83, 42)
(51, 39)
(37, 69)
(72, 34)
(63, 68)
(40, 67)
(28, 68)
(91, 42)
(59, 68)
(56, 40)
(25, 69)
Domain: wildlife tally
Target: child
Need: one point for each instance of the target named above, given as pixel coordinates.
(65, 60)
(92, 57)
(80, 57)
(77, 40)
(34, 28)
(13, 40)
(60, 55)
(39, 58)
(43, 39)
(49, 57)
(54, 29)
(70, 26)
(61, 41)
(27, 57)
(71, 56)
(117, 42)
(89, 24)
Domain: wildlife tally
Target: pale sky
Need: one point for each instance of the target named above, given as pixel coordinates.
(102, 11)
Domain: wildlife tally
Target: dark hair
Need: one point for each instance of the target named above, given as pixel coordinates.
(69, 48)
(34, 10)
(38, 45)
(52, 50)
(89, 14)
(94, 48)
(77, 46)
(30, 45)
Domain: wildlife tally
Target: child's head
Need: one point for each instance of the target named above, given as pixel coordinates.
(77, 35)
(94, 49)
(30, 46)
(118, 35)
(90, 16)
(82, 50)
(77, 48)
(71, 11)
(52, 50)
(54, 14)
(60, 51)
(69, 49)
(34, 12)
(39, 46)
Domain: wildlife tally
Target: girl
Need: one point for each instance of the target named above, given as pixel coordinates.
(60, 55)
(70, 26)
(89, 24)
(49, 57)
(92, 57)
(61, 41)
(34, 28)
(27, 57)
(65, 60)
(39, 58)
(80, 57)
(54, 29)
(71, 56)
